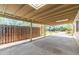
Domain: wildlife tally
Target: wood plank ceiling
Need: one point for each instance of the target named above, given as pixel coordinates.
(47, 14)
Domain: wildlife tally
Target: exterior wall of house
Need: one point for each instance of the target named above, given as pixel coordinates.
(76, 28)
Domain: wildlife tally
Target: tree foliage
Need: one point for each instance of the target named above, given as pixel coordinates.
(7, 21)
(66, 27)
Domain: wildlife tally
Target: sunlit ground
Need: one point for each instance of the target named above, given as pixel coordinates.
(61, 34)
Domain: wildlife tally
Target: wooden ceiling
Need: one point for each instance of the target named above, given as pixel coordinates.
(47, 14)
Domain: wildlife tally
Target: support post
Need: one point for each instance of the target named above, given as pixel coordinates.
(44, 30)
(31, 32)
(41, 30)
(73, 29)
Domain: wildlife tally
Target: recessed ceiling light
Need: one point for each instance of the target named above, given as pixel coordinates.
(37, 6)
(62, 20)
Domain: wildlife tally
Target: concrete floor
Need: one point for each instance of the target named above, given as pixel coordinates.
(50, 45)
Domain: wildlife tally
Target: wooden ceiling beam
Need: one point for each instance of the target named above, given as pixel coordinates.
(49, 11)
(41, 10)
(19, 8)
(60, 16)
(60, 12)
(53, 10)
(12, 8)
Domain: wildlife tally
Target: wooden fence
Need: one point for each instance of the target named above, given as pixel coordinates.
(16, 33)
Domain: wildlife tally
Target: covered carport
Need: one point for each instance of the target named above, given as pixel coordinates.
(38, 18)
